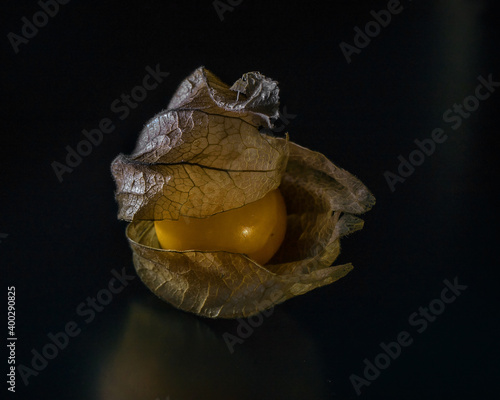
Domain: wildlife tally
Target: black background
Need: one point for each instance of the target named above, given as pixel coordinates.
(440, 223)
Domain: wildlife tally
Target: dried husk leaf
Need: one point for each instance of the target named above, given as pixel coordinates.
(204, 155)
(321, 201)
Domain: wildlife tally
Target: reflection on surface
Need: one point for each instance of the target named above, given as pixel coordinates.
(457, 66)
(165, 353)
(457, 44)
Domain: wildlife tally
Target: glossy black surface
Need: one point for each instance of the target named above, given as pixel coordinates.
(439, 224)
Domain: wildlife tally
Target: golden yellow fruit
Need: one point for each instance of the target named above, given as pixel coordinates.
(256, 230)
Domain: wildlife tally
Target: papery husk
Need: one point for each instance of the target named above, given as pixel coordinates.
(205, 154)
(321, 199)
